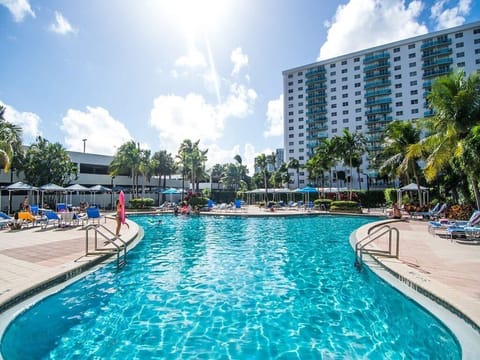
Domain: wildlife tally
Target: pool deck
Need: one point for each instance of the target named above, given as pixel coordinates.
(30, 258)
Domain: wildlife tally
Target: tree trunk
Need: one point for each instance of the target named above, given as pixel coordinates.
(417, 180)
(476, 191)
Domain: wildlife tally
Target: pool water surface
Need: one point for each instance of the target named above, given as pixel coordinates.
(209, 287)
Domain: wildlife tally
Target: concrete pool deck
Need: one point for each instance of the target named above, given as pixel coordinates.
(30, 258)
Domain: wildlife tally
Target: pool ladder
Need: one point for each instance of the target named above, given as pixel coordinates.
(375, 234)
(109, 238)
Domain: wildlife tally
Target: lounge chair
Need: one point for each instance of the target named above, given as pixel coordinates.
(62, 207)
(427, 214)
(93, 213)
(440, 212)
(468, 229)
(50, 218)
(25, 218)
(5, 220)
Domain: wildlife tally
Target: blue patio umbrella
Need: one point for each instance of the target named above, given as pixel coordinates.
(307, 190)
(170, 192)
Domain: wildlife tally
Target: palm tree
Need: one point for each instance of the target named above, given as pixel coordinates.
(127, 159)
(242, 170)
(295, 164)
(10, 142)
(398, 159)
(455, 100)
(352, 145)
(145, 167)
(262, 164)
(183, 157)
(216, 173)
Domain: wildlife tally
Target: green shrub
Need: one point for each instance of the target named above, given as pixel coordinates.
(198, 202)
(323, 203)
(345, 206)
(141, 203)
(390, 196)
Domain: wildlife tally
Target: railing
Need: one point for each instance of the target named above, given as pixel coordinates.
(109, 238)
(377, 233)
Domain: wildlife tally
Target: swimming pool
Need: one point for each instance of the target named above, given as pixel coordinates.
(232, 287)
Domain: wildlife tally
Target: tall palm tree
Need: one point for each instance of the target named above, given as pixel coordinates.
(455, 100)
(216, 173)
(145, 167)
(262, 164)
(183, 157)
(127, 158)
(10, 142)
(295, 164)
(352, 145)
(398, 159)
(242, 170)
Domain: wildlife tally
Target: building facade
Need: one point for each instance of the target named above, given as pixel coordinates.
(365, 90)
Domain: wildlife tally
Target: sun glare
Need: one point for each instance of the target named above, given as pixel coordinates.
(196, 16)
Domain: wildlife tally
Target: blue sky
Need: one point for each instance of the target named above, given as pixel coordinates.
(159, 71)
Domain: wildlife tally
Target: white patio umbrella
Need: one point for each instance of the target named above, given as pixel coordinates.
(18, 186)
(99, 189)
(78, 189)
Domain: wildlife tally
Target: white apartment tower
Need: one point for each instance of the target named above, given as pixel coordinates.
(365, 90)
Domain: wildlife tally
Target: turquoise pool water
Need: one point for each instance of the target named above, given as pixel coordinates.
(232, 288)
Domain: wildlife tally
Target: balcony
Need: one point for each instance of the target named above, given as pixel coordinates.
(378, 93)
(379, 102)
(437, 62)
(375, 57)
(436, 43)
(377, 84)
(435, 73)
(320, 86)
(380, 74)
(434, 53)
(315, 80)
(379, 65)
(316, 71)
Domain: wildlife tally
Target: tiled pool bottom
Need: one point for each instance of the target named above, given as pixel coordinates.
(211, 287)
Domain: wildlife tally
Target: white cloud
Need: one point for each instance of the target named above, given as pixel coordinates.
(18, 8)
(217, 155)
(29, 122)
(104, 134)
(61, 25)
(449, 17)
(239, 60)
(361, 24)
(274, 118)
(194, 59)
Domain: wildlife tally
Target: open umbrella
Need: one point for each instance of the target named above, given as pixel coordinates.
(307, 190)
(53, 188)
(98, 189)
(170, 192)
(18, 186)
(78, 189)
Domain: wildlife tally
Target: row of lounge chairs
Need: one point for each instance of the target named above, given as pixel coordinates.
(461, 231)
(45, 218)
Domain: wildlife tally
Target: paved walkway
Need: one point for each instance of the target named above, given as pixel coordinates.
(448, 270)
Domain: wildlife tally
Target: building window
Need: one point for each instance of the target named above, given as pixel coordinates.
(414, 101)
(398, 86)
(290, 136)
(413, 83)
(358, 101)
(345, 96)
(357, 85)
(332, 66)
(290, 151)
(300, 81)
(290, 113)
(459, 45)
(411, 55)
(413, 73)
(290, 128)
(414, 111)
(356, 68)
(290, 121)
(344, 87)
(333, 81)
(396, 58)
(399, 103)
(357, 76)
(460, 54)
(334, 113)
(358, 127)
(300, 127)
(412, 64)
(290, 106)
(345, 121)
(358, 93)
(476, 41)
(397, 67)
(411, 46)
(300, 88)
(396, 50)
(334, 106)
(290, 76)
(300, 103)
(397, 95)
(334, 131)
(458, 35)
(290, 83)
(333, 97)
(344, 71)
(333, 89)
(334, 122)
(461, 64)
(398, 76)
(300, 73)
(399, 113)
(290, 143)
(333, 73)
(345, 103)
(300, 96)
(357, 59)
(344, 78)
(358, 118)
(300, 111)
(345, 112)
(300, 119)
(476, 31)
(414, 92)
(358, 110)
(290, 91)
(290, 98)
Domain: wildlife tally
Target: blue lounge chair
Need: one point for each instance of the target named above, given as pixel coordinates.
(5, 220)
(61, 207)
(462, 229)
(50, 218)
(94, 214)
(427, 214)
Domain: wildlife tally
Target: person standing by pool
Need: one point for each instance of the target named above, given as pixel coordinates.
(120, 215)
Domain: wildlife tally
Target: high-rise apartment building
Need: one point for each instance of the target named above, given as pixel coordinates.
(365, 90)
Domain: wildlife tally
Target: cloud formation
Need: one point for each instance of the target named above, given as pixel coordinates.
(449, 17)
(274, 118)
(104, 134)
(29, 122)
(194, 116)
(239, 60)
(18, 8)
(361, 24)
(61, 25)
